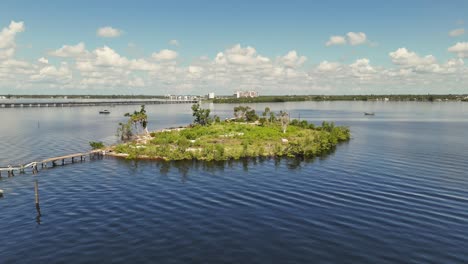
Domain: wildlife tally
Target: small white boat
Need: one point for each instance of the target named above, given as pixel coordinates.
(104, 112)
(369, 113)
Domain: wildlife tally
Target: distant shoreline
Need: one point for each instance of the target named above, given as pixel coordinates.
(320, 98)
(259, 99)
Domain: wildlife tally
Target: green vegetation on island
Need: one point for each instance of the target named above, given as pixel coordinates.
(245, 135)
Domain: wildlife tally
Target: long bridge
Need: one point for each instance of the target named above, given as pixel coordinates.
(95, 103)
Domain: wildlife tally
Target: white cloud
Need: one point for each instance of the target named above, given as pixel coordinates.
(404, 57)
(336, 40)
(326, 66)
(457, 32)
(106, 56)
(356, 38)
(69, 51)
(237, 67)
(362, 69)
(7, 39)
(43, 60)
(174, 42)
(351, 38)
(241, 56)
(50, 73)
(292, 60)
(108, 32)
(164, 55)
(461, 49)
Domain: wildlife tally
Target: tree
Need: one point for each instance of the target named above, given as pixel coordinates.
(202, 116)
(245, 113)
(124, 131)
(268, 114)
(139, 118)
(284, 120)
(136, 119)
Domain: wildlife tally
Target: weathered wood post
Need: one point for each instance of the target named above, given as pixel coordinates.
(38, 208)
(36, 193)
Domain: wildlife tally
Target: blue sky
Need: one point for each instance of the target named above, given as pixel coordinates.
(271, 28)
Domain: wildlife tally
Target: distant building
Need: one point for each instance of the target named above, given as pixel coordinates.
(243, 94)
(211, 95)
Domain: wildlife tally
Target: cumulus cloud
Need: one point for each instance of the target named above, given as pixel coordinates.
(7, 39)
(356, 38)
(165, 55)
(50, 73)
(234, 68)
(43, 60)
(351, 38)
(461, 49)
(108, 32)
(404, 57)
(241, 56)
(67, 51)
(292, 60)
(336, 40)
(362, 69)
(326, 66)
(106, 56)
(457, 32)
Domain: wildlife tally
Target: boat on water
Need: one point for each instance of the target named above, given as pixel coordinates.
(104, 112)
(369, 113)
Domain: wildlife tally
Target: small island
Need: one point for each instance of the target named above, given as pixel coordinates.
(246, 135)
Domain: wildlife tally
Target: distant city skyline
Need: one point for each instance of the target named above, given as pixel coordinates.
(198, 47)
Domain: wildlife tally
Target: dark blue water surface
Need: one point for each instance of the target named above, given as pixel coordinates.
(396, 193)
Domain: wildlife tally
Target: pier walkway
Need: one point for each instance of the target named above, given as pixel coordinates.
(50, 161)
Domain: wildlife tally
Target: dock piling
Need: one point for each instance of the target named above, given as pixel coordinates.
(36, 196)
(36, 193)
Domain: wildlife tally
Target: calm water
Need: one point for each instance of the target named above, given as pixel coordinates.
(397, 192)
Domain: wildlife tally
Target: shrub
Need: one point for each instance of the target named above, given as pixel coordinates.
(96, 144)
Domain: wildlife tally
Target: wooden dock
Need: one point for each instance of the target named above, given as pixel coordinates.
(77, 157)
